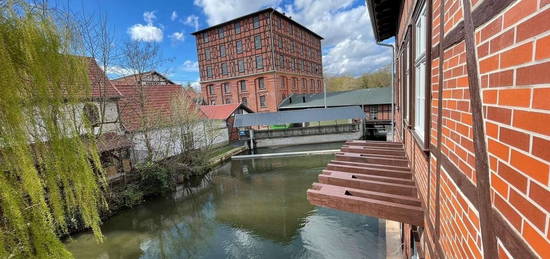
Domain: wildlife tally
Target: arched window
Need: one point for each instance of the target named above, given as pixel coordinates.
(260, 83)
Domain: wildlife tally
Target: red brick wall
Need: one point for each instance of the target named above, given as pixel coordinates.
(513, 53)
(299, 46)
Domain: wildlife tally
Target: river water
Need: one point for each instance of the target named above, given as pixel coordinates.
(244, 209)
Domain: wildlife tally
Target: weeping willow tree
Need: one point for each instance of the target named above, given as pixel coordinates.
(50, 172)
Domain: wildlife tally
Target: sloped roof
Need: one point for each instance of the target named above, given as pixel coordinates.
(384, 15)
(157, 104)
(101, 85)
(367, 96)
(256, 13)
(131, 79)
(297, 116)
(222, 111)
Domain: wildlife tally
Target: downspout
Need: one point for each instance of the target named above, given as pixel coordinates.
(392, 83)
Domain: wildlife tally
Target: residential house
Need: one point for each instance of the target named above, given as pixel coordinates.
(226, 113)
(163, 121)
(102, 111)
(146, 78)
(468, 173)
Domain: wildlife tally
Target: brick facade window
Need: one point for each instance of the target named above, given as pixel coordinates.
(280, 42)
(224, 69)
(283, 82)
(257, 42)
(259, 62)
(240, 65)
(207, 54)
(261, 84)
(205, 37)
(256, 23)
(282, 62)
(227, 100)
(312, 85)
(239, 46)
(226, 88)
(237, 27)
(213, 102)
(319, 85)
(220, 33)
(210, 89)
(242, 85)
(304, 84)
(209, 71)
(222, 50)
(262, 101)
(294, 84)
(421, 29)
(244, 100)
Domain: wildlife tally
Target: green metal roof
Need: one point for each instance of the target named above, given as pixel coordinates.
(367, 96)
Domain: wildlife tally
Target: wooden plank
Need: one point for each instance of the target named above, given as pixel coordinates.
(358, 201)
(374, 151)
(370, 159)
(347, 180)
(481, 160)
(369, 171)
(378, 178)
(372, 166)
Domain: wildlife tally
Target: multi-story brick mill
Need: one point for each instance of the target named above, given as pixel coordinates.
(258, 59)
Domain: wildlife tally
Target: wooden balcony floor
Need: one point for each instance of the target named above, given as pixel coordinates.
(371, 178)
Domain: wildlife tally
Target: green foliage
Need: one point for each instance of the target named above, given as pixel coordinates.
(49, 166)
(155, 179)
(380, 78)
(129, 197)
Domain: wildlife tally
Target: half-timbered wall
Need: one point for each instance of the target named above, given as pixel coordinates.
(483, 168)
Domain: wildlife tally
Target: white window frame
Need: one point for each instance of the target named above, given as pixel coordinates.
(421, 28)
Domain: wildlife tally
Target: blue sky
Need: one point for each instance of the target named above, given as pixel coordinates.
(348, 49)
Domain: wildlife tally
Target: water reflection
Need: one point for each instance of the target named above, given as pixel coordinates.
(246, 209)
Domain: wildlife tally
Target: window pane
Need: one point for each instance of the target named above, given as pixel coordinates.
(257, 42)
(256, 22)
(259, 62)
(238, 27)
(239, 46)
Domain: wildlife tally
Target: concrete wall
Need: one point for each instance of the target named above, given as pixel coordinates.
(311, 139)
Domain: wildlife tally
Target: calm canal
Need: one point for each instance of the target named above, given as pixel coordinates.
(245, 209)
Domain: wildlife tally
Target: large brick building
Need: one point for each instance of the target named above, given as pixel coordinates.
(468, 173)
(258, 59)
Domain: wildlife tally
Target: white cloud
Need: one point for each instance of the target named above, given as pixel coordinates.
(218, 11)
(193, 21)
(190, 66)
(148, 32)
(349, 46)
(149, 17)
(173, 16)
(177, 36)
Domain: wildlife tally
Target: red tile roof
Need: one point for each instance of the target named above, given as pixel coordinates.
(157, 104)
(101, 85)
(222, 111)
